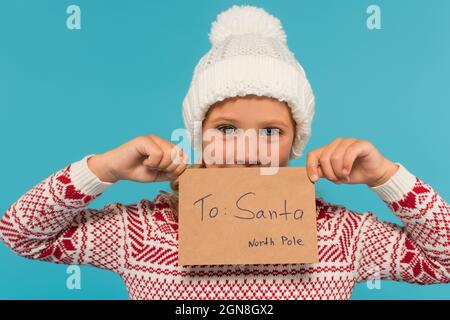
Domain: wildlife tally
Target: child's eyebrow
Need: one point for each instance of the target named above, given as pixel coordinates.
(274, 123)
(222, 118)
(264, 124)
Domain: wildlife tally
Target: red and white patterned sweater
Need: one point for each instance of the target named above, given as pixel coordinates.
(51, 222)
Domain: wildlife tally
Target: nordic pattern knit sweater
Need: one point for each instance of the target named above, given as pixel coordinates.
(51, 222)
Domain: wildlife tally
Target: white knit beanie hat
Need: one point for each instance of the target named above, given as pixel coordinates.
(249, 55)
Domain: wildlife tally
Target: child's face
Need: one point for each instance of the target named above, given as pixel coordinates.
(265, 116)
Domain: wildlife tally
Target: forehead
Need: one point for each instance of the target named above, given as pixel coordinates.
(249, 106)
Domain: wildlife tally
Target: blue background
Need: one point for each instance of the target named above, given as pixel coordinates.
(66, 93)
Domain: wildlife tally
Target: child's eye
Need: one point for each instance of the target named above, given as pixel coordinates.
(269, 131)
(227, 129)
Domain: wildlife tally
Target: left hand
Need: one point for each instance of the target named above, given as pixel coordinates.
(351, 161)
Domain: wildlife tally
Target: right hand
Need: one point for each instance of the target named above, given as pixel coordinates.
(142, 159)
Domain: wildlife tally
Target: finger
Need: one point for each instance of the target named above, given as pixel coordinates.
(312, 163)
(166, 148)
(320, 171)
(149, 149)
(359, 148)
(174, 173)
(337, 158)
(178, 155)
(178, 171)
(175, 170)
(179, 158)
(325, 162)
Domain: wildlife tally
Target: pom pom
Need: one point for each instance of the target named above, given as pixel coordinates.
(246, 19)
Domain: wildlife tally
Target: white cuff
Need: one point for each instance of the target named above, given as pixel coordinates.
(85, 180)
(397, 186)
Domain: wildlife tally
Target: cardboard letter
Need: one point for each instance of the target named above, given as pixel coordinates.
(238, 216)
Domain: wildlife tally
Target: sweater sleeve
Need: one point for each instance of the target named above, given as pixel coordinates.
(419, 251)
(51, 221)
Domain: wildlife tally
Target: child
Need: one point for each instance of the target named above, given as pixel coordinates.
(248, 80)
